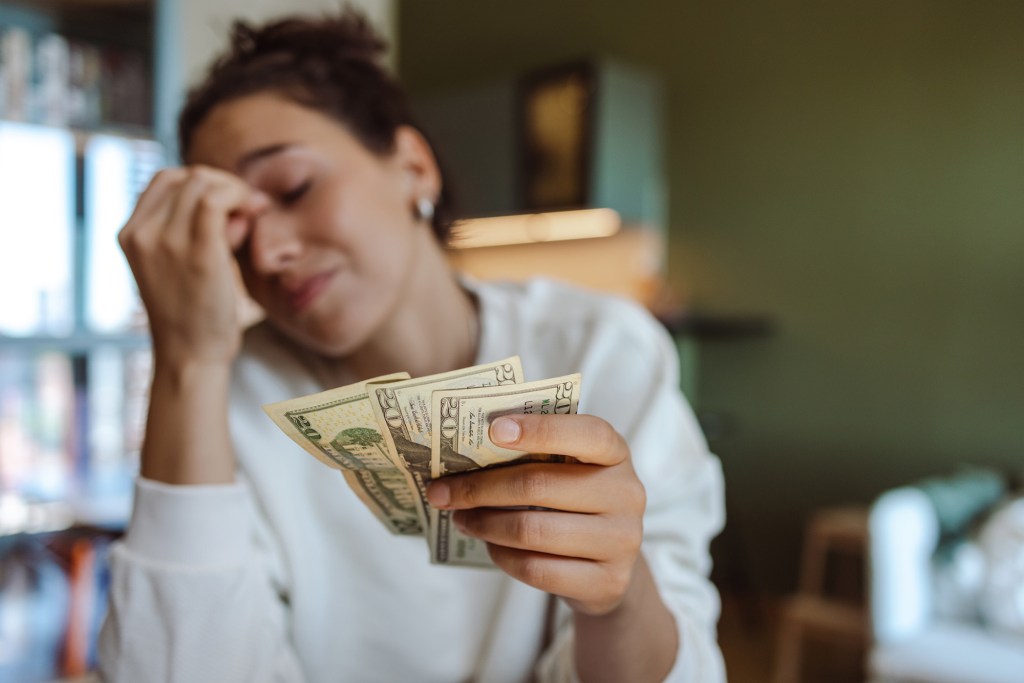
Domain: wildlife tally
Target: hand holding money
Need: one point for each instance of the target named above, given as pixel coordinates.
(567, 518)
(584, 544)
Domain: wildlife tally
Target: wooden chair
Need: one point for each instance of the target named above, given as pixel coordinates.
(825, 610)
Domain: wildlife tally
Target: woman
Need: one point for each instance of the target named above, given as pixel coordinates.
(246, 562)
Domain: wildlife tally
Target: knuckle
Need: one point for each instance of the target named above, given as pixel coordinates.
(131, 240)
(603, 430)
(623, 538)
(464, 490)
(619, 577)
(604, 435)
(532, 570)
(532, 485)
(633, 538)
(220, 181)
(542, 430)
(168, 175)
(623, 577)
(639, 497)
(202, 172)
(527, 530)
(197, 181)
(208, 203)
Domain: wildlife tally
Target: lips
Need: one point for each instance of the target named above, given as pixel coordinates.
(302, 295)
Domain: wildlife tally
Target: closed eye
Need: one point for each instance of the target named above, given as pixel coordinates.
(294, 195)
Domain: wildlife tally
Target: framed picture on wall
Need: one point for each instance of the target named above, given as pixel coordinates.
(555, 117)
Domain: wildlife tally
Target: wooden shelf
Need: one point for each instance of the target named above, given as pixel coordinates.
(717, 326)
(21, 518)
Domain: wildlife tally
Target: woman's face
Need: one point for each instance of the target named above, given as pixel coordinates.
(331, 260)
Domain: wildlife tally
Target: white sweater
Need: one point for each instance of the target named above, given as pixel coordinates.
(286, 576)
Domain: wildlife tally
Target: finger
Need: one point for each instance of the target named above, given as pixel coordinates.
(178, 228)
(568, 487)
(152, 210)
(567, 534)
(225, 213)
(157, 198)
(598, 585)
(585, 437)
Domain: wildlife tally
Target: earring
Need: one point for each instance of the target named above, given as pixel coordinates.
(425, 209)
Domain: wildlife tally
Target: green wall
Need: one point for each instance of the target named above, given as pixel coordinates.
(855, 170)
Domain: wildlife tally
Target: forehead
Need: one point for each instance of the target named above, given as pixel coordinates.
(240, 126)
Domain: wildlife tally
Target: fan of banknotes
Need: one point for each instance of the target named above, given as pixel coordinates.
(389, 436)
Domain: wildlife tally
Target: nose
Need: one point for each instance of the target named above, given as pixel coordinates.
(274, 244)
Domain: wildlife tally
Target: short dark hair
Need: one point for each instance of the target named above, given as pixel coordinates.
(330, 64)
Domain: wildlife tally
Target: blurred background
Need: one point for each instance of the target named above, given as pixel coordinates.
(823, 202)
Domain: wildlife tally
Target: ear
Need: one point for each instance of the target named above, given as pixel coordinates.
(416, 162)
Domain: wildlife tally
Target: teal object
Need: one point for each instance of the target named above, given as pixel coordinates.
(960, 500)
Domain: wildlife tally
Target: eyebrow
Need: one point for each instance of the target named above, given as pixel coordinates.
(263, 152)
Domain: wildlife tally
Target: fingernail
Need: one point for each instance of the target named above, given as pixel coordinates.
(439, 494)
(505, 430)
(459, 521)
(261, 200)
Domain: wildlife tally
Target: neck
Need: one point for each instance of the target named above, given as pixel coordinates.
(433, 329)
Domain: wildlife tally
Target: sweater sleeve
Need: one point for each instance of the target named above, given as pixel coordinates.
(685, 501)
(196, 593)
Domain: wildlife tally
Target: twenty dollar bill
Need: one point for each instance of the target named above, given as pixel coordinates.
(402, 410)
(461, 443)
(338, 428)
